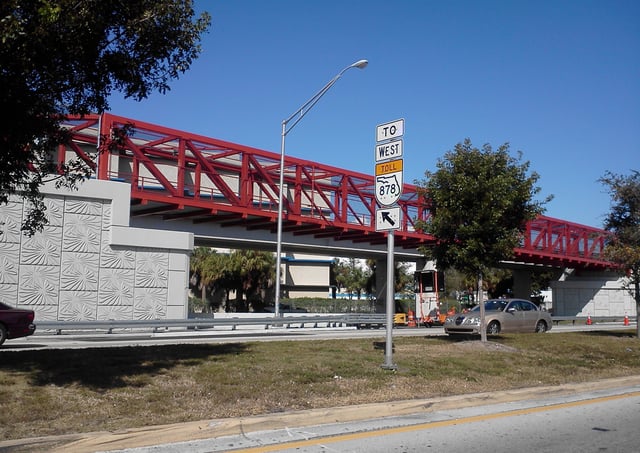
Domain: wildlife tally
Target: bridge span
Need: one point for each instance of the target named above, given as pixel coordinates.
(227, 195)
(119, 247)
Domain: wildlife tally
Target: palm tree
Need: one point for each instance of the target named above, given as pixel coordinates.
(211, 270)
(255, 272)
(200, 274)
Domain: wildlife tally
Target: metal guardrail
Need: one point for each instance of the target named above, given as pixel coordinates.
(357, 320)
(583, 319)
(366, 320)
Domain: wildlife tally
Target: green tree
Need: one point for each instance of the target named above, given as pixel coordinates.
(196, 268)
(207, 270)
(623, 221)
(480, 202)
(253, 273)
(247, 272)
(351, 276)
(403, 278)
(61, 57)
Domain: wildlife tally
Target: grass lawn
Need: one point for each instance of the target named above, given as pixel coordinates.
(72, 391)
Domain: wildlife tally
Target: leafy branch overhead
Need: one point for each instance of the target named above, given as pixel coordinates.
(62, 57)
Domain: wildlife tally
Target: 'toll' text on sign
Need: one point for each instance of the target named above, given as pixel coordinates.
(389, 167)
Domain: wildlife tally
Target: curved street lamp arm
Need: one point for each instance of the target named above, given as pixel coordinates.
(302, 111)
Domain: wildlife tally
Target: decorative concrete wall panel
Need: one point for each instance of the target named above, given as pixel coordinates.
(55, 210)
(87, 263)
(9, 262)
(10, 222)
(39, 285)
(117, 313)
(9, 293)
(117, 257)
(79, 272)
(44, 248)
(82, 233)
(116, 287)
(150, 303)
(152, 269)
(78, 306)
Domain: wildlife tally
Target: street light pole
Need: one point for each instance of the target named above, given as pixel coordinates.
(287, 125)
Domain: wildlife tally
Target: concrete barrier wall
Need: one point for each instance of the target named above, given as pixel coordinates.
(88, 264)
(594, 294)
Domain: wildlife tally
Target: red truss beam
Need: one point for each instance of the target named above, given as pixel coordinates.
(179, 175)
(559, 242)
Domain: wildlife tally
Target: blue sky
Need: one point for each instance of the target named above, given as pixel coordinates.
(557, 79)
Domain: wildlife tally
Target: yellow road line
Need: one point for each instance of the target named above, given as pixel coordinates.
(429, 425)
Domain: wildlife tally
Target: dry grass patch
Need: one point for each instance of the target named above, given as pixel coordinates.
(66, 391)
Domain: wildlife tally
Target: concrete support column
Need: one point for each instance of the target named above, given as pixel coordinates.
(381, 285)
(522, 283)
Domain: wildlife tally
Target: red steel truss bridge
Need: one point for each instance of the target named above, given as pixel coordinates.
(177, 175)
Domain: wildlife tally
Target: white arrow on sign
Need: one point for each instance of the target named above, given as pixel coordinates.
(388, 219)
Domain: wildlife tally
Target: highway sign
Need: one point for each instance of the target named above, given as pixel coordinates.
(388, 182)
(388, 219)
(389, 150)
(389, 131)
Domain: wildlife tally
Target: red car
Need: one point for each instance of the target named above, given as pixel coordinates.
(15, 322)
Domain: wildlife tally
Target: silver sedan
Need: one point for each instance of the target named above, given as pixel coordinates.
(501, 315)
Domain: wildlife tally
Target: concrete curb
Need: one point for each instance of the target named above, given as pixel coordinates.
(207, 429)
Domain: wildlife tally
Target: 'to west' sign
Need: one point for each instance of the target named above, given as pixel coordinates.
(388, 182)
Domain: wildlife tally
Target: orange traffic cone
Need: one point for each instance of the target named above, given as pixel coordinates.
(626, 320)
(588, 320)
(412, 320)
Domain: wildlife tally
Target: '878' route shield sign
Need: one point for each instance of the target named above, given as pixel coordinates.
(388, 182)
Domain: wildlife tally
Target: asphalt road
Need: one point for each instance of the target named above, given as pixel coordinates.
(600, 421)
(600, 416)
(93, 339)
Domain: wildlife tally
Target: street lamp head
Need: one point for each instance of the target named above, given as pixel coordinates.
(360, 64)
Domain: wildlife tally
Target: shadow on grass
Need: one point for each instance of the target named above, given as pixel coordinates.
(459, 338)
(106, 368)
(611, 333)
